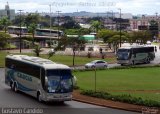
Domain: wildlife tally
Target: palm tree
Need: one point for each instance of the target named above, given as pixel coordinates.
(37, 50)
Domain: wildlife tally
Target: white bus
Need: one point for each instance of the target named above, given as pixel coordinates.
(16, 30)
(48, 32)
(136, 54)
(38, 77)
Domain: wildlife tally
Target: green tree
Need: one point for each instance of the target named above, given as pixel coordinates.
(83, 31)
(37, 50)
(95, 26)
(69, 23)
(18, 19)
(140, 37)
(72, 31)
(3, 39)
(4, 22)
(32, 18)
(115, 40)
(153, 28)
(32, 28)
(105, 34)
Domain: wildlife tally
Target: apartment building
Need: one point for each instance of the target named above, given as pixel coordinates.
(7, 12)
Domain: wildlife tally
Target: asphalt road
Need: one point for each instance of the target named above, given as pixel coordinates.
(21, 103)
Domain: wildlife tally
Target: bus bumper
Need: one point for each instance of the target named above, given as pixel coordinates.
(125, 62)
(58, 97)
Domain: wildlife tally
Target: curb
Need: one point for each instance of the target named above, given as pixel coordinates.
(108, 106)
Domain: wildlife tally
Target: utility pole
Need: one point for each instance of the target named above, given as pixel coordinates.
(120, 26)
(157, 20)
(50, 23)
(58, 23)
(20, 40)
(112, 19)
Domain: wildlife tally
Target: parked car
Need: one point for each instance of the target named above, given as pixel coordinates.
(97, 64)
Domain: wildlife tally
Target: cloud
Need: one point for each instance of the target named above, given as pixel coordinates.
(129, 6)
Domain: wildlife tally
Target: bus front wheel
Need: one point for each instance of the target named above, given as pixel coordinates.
(11, 85)
(148, 60)
(15, 88)
(39, 97)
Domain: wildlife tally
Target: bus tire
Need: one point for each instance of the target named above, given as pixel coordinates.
(39, 97)
(133, 63)
(105, 66)
(148, 60)
(61, 102)
(11, 85)
(15, 89)
(93, 67)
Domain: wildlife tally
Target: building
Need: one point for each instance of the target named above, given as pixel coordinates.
(7, 12)
(124, 15)
(143, 22)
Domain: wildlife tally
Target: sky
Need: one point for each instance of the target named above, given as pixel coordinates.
(150, 7)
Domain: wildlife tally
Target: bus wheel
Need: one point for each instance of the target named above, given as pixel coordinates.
(39, 97)
(61, 102)
(15, 87)
(105, 66)
(133, 63)
(93, 67)
(148, 60)
(11, 85)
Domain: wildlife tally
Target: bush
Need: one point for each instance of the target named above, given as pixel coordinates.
(126, 98)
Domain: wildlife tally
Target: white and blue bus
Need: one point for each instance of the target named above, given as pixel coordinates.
(16, 30)
(38, 77)
(135, 54)
(49, 32)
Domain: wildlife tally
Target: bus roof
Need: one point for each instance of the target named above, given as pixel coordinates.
(139, 46)
(14, 27)
(45, 63)
(47, 30)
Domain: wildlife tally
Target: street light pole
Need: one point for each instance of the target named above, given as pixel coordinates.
(50, 23)
(58, 23)
(20, 40)
(112, 19)
(120, 26)
(157, 20)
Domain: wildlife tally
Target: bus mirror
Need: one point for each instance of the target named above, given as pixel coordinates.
(74, 78)
(46, 82)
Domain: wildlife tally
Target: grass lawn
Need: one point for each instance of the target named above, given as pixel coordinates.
(68, 60)
(136, 81)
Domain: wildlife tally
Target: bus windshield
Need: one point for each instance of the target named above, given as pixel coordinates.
(59, 81)
(123, 54)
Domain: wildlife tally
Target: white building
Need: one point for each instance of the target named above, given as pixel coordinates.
(124, 15)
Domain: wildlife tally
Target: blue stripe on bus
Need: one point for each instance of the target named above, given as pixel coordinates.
(23, 88)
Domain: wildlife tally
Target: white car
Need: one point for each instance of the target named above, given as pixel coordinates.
(97, 64)
(149, 42)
